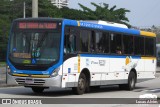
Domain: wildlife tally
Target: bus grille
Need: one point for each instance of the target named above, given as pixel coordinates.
(37, 82)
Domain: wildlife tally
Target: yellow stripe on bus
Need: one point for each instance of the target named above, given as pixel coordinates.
(40, 76)
(21, 75)
(150, 58)
(79, 63)
(78, 23)
(144, 33)
(36, 76)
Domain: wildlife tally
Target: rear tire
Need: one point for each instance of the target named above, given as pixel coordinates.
(131, 82)
(81, 88)
(37, 89)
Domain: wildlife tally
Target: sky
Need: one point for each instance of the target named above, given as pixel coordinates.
(144, 13)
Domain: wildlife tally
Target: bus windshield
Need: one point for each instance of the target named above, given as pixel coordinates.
(29, 47)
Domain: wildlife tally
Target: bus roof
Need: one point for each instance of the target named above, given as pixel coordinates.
(39, 19)
(100, 25)
(107, 23)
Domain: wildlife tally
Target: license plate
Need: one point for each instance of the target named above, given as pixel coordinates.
(29, 81)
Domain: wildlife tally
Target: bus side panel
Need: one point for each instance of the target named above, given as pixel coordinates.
(70, 72)
(134, 63)
(149, 68)
(98, 67)
(116, 67)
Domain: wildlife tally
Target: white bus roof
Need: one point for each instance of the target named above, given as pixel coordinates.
(107, 23)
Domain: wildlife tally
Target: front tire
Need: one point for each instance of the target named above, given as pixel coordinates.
(37, 89)
(80, 89)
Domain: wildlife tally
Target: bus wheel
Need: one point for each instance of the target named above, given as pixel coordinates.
(131, 81)
(80, 89)
(37, 89)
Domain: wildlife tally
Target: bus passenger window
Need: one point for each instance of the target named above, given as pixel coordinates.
(92, 42)
(116, 43)
(149, 46)
(128, 44)
(70, 45)
(70, 42)
(99, 41)
(118, 50)
(139, 45)
(102, 42)
(105, 42)
(84, 41)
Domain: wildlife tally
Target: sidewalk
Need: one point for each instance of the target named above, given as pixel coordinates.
(3, 77)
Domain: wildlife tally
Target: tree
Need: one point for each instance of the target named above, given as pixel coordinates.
(4, 27)
(105, 13)
(73, 14)
(46, 9)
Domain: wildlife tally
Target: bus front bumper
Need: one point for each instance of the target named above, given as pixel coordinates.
(30, 82)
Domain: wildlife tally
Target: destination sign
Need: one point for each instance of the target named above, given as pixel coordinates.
(37, 25)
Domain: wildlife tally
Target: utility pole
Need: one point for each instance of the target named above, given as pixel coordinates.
(35, 8)
(24, 10)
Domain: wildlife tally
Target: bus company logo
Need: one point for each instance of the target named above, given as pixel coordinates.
(94, 63)
(6, 101)
(102, 62)
(91, 25)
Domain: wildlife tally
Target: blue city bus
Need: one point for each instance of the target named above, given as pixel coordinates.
(49, 52)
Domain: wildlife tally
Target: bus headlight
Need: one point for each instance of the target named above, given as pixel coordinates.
(55, 72)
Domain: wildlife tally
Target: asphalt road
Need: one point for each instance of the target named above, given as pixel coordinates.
(147, 87)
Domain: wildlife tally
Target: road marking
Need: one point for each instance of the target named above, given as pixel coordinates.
(152, 90)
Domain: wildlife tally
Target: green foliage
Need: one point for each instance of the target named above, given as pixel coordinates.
(46, 9)
(10, 10)
(105, 13)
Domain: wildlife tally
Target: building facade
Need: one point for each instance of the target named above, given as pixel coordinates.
(60, 3)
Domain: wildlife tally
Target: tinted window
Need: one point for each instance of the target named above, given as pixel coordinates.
(105, 43)
(70, 40)
(139, 45)
(102, 42)
(84, 40)
(116, 43)
(149, 46)
(128, 44)
(99, 42)
(92, 42)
